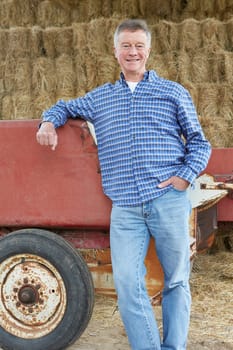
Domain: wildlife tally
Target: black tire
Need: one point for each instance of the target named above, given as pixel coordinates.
(47, 293)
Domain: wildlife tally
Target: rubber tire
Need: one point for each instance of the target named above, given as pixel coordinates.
(76, 278)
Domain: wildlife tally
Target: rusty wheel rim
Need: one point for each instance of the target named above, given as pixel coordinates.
(32, 296)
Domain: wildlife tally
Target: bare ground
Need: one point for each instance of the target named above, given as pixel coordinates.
(211, 326)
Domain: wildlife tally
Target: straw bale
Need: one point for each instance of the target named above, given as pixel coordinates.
(229, 66)
(7, 107)
(65, 77)
(156, 9)
(100, 35)
(159, 64)
(9, 67)
(4, 40)
(57, 41)
(215, 103)
(43, 76)
(17, 106)
(106, 69)
(18, 44)
(91, 71)
(22, 75)
(213, 34)
(207, 101)
(42, 102)
(81, 77)
(17, 13)
(36, 42)
(164, 37)
(189, 35)
(199, 67)
(80, 38)
(51, 13)
(229, 33)
(183, 67)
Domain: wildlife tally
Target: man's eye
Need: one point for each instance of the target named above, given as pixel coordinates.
(125, 46)
(139, 46)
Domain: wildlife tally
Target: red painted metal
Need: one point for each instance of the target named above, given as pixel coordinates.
(221, 167)
(45, 188)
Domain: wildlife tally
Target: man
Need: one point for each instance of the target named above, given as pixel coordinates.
(151, 148)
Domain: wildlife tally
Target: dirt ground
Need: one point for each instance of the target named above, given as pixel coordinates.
(211, 326)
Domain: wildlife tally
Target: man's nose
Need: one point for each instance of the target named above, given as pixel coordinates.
(133, 50)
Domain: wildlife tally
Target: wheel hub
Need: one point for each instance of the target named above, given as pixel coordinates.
(33, 296)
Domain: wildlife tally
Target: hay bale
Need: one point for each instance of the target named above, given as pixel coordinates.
(189, 35)
(51, 13)
(17, 106)
(36, 42)
(213, 34)
(199, 67)
(42, 102)
(65, 77)
(43, 76)
(22, 76)
(57, 41)
(106, 69)
(18, 44)
(164, 37)
(4, 40)
(229, 33)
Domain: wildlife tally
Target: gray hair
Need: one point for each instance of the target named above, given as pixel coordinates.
(132, 25)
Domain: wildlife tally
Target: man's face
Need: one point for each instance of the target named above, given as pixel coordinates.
(132, 52)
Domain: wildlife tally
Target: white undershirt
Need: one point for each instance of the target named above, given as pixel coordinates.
(132, 85)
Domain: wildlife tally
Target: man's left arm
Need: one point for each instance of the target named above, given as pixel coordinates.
(197, 147)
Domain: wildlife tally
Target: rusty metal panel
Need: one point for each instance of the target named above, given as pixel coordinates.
(99, 263)
(221, 167)
(45, 188)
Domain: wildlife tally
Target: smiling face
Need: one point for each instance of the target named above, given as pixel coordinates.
(132, 51)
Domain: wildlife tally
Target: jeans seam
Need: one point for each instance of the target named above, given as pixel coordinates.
(150, 333)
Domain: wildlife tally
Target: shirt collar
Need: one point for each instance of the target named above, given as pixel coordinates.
(149, 75)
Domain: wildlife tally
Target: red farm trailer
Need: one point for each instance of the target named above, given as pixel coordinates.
(54, 228)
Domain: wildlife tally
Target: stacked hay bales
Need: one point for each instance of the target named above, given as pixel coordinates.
(54, 49)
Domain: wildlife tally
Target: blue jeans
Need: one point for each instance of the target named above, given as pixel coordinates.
(166, 219)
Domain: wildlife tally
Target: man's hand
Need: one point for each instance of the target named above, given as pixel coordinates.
(177, 182)
(47, 136)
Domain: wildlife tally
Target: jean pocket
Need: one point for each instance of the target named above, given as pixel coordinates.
(179, 190)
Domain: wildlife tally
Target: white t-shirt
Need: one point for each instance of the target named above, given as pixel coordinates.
(132, 85)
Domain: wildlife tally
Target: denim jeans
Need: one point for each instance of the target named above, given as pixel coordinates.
(166, 219)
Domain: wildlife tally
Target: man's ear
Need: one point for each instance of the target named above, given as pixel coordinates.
(115, 52)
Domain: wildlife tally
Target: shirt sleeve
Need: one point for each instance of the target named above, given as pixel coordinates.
(197, 147)
(82, 107)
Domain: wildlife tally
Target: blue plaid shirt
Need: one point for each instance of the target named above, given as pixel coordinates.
(143, 137)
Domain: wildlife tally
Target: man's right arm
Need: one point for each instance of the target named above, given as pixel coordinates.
(46, 135)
